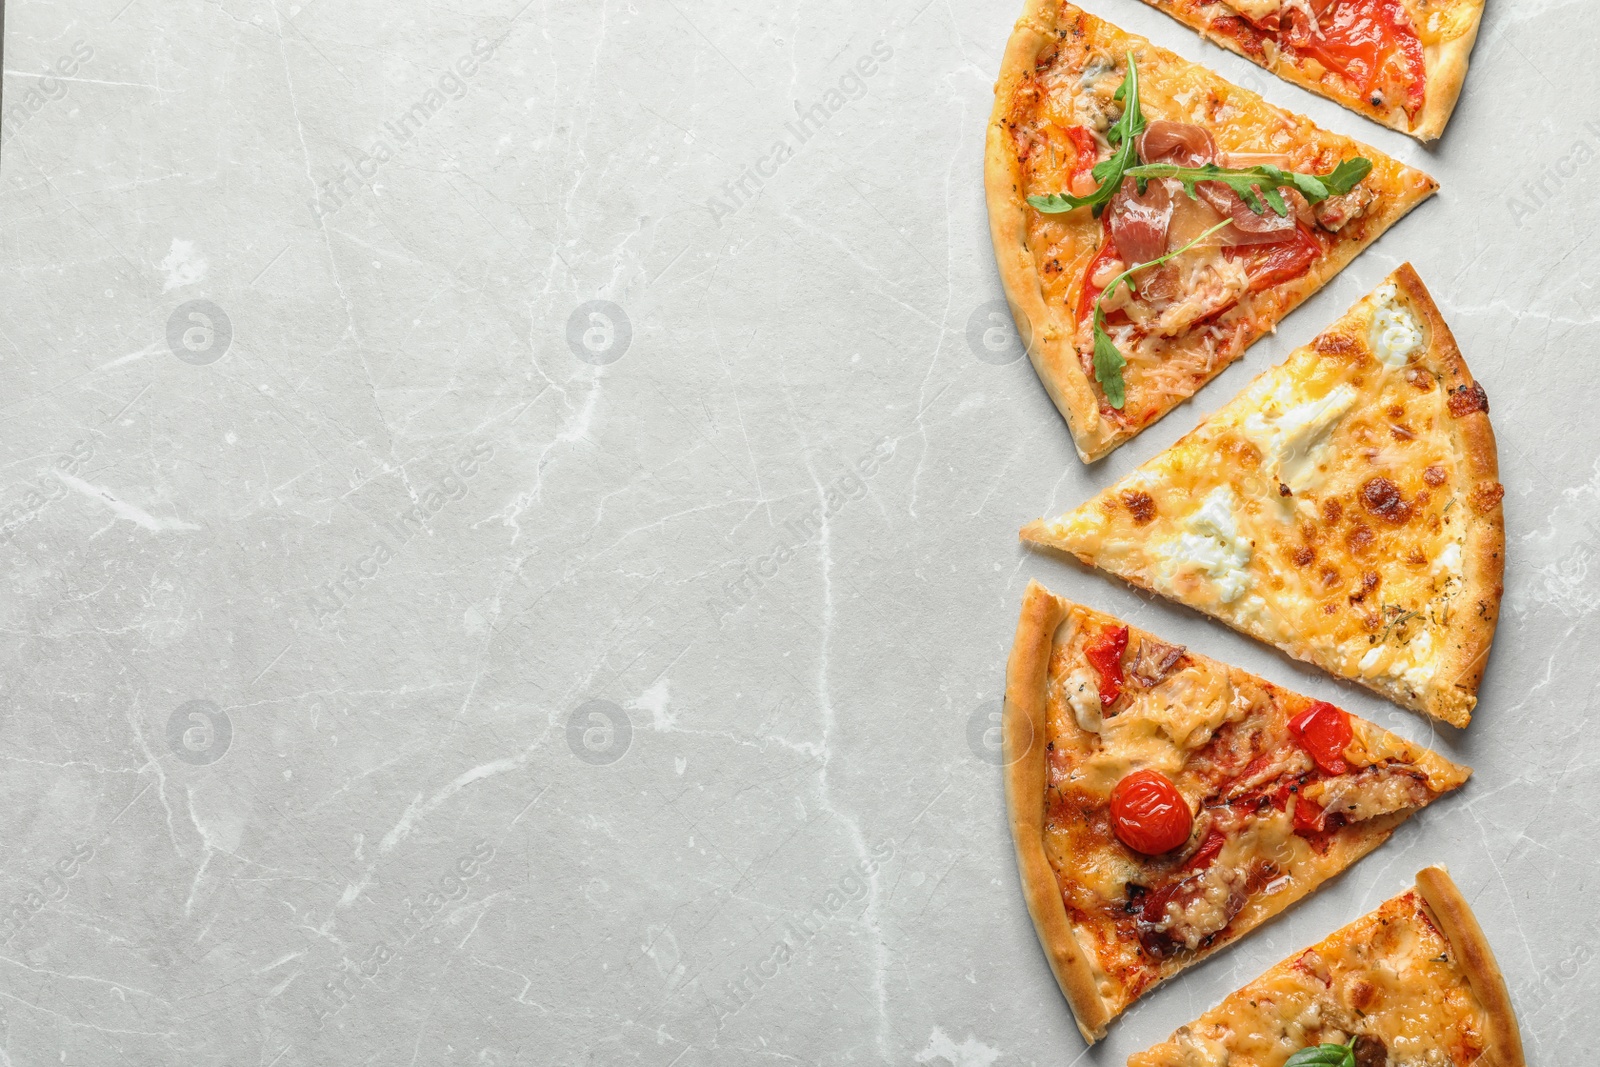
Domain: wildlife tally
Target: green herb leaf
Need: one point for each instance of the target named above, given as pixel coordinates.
(1108, 358)
(1108, 363)
(1253, 184)
(1324, 1056)
(1259, 186)
(1108, 172)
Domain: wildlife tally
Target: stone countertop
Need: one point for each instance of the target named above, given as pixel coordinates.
(510, 533)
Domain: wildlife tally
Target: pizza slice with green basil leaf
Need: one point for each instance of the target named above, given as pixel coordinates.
(1412, 982)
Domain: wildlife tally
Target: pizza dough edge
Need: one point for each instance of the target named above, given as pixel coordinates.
(1024, 727)
(1463, 661)
(1053, 360)
(1455, 920)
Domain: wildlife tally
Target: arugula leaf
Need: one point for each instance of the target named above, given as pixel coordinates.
(1108, 362)
(1108, 358)
(1108, 172)
(1254, 183)
(1124, 162)
(1324, 1056)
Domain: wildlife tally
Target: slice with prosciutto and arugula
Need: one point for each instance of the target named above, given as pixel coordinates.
(1399, 62)
(1163, 804)
(1151, 221)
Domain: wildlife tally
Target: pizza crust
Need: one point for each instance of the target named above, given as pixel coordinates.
(1446, 66)
(1049, 347)
(1047, 336)
(1024, 726)
(1473, 955)
(1462, 662)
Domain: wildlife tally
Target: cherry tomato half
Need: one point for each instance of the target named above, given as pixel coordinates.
(1148, 814)
(1324, 732)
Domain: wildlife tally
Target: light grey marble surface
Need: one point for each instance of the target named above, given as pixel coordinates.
(412, 661)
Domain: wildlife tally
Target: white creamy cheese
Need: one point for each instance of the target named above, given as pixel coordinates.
(1293, 436)
(1419, 671)
(1210, 545)
(1083, 694)
(1448, 561)
(1395, 332)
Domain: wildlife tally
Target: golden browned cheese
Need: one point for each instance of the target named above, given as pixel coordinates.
(1323, 510)
(1390, 975)
(1222, 737)
(1071, 88)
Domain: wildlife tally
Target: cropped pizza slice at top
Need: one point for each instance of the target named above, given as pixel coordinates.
(1399, 62)
(1151, 221)
(1344, 507)
(1163, 804)
(1414, 981)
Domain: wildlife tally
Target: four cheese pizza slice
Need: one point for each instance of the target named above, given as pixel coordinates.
(1164, 804)
(1151, 221)
(1344, 507)
(1399, 62)
(1412, 982)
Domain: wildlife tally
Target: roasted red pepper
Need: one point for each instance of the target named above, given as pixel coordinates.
(1324, 732)
(1104, 653)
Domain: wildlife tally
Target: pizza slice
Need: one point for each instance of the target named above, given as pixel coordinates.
(1151, 221)
(1164, 804)
(1398, 62)
(1412, 982)
(1344, 507)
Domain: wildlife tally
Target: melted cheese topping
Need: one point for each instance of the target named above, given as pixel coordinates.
(1327, 522)
(1220, 735)
(1390, 975)
(1184, 343)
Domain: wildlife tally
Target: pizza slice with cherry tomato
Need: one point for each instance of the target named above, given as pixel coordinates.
(1151, 221)
(1164, 804)
(1399, 62)
(1412, 982)
(1345, 508)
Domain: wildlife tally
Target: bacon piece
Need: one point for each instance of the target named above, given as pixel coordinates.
(1337, 212)
(1370, 1051)
(1154, 661)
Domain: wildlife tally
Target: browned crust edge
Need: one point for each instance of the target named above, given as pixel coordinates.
(1008, 230)
(1447, 72)
(1445, 66)
(1455, 919)
(1023, 727)
(1059, 371)
(1462, 663)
